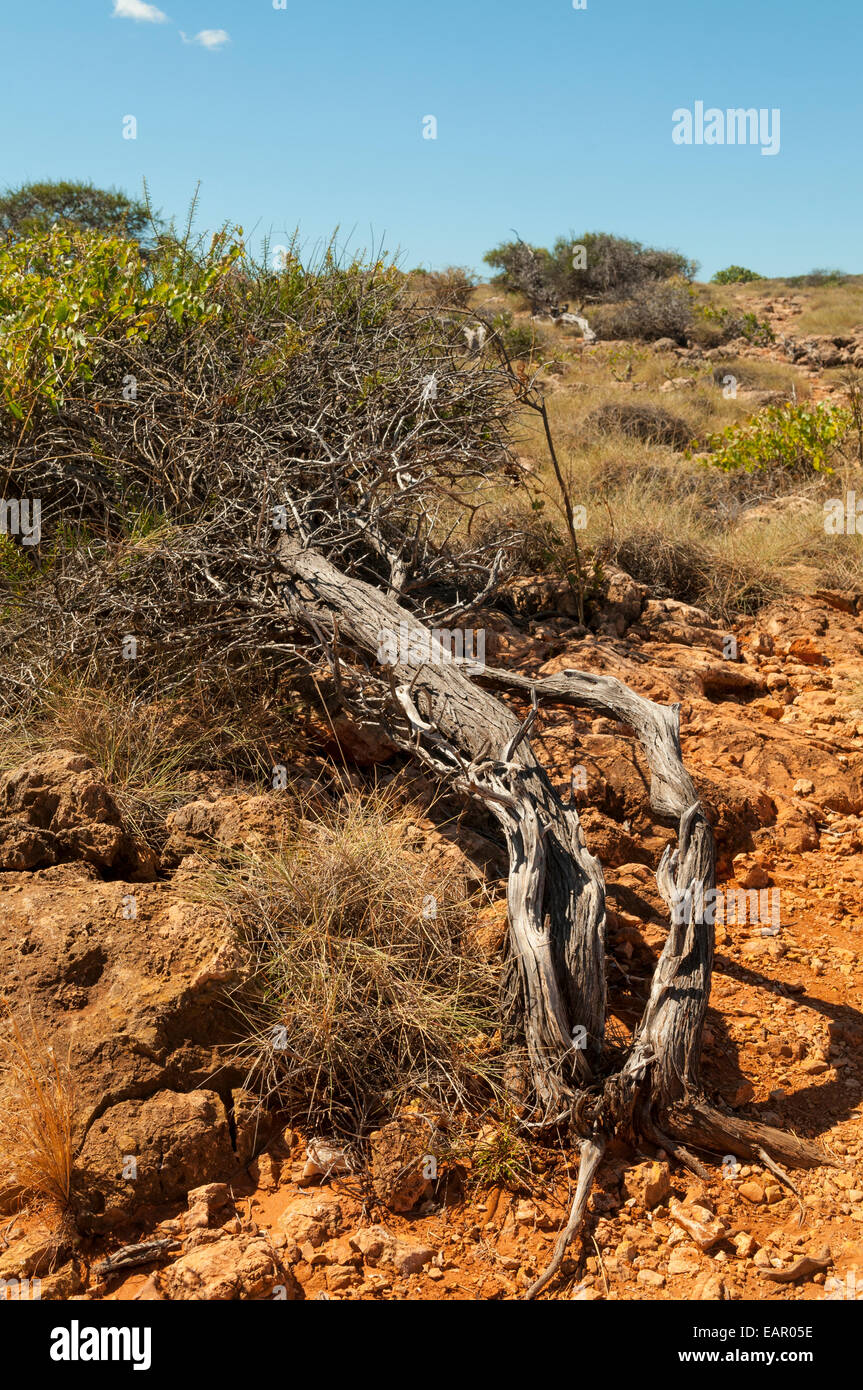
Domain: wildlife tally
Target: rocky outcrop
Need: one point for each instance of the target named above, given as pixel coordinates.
(232, 821)
(378, 1246)
(57, 806)
(243, 1266)
(400, 1156)
(826, 350)
(146, 1153)
(130, 983)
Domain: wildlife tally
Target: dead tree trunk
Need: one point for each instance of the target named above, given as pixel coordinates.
(556, 891)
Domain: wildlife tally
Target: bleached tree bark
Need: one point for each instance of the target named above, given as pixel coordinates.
(556, 894)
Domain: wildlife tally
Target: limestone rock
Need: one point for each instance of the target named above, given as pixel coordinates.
(377, 1246)
(399, 1154)
(243, 1266)
(163, 1145)
(313, 1219)
(648, 1183)
(57, 806)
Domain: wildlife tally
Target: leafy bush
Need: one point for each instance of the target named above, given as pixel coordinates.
(754, 329)
(799, 437)
(64, 292)
(722, 325)
(735, 275)
(613, 266)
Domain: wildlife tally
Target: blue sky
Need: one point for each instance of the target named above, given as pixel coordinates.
(549, 119)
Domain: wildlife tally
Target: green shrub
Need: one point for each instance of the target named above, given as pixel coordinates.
(800, 437)
(521, 340)
(756, 330)
(65, 293)
(735, 275)
(613, 267)
(727, 325)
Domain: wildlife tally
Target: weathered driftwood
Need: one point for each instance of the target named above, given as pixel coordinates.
(556, 894)
(667, 1042)
(133, 1256)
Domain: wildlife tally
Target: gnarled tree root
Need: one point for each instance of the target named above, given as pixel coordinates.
(699, 1123)
(441, 714)
(703, 1126)
(591, 1156)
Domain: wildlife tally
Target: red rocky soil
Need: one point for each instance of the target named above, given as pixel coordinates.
(775, 742)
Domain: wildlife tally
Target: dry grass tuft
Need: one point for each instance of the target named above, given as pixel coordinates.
(145, 749)
(37, 1118)
(500, 1157)
(363, 995)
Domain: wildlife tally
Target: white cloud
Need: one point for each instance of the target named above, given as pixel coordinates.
(137, 9)
(208, 38)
